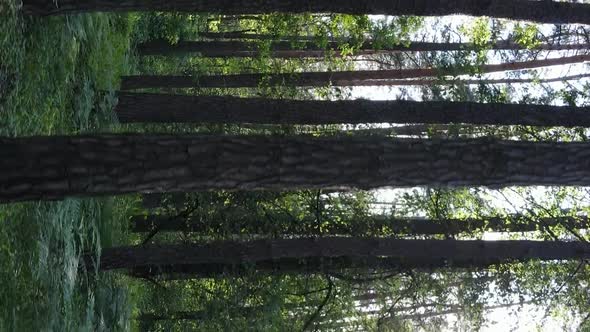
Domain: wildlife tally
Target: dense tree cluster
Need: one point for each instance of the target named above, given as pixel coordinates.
(259, 172)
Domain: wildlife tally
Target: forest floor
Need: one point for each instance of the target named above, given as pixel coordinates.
(58, 76)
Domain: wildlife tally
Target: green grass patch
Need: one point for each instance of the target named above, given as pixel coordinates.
(58, 76)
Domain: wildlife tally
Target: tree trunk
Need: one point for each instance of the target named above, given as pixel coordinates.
(539, 11)
(54, 167)
(317, 79)
(437, 81)
(285, 49)
(249, 311)
(418, 130)
(291, 266)
(256, 36)
(204, 314)
(164, 108)
(456, 309)
(176, 315)
(362, 251)
(371, 225)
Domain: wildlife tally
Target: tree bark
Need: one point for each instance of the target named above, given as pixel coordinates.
(456, 309)
(256, 36)
(197, 315)
(165, 108)
(285, 49)
(204, 314)
(539, 11)
(316, 79)
(292, 266)
(371, 225)
(54, 167)
(437, 81)
(363, 251)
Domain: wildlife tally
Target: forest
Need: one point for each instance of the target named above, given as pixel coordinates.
(296, 165)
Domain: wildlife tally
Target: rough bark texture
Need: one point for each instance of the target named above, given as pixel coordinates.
(53, 167)
(250, 311)
(540, 11)
(424, 253)
(197, 315)
(377, 225)
(456, 309)
(258, 36)
(340, 78)
(285, 49)
(436, 81)
(297, 266)
(149, 107)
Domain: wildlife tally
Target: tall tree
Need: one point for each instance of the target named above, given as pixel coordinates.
(437, 81)
(540, 11)
(309, 49)
(375, 225)
(361, 251)
(149, 107)
(338, 78)
(254, 36)
(58, 166)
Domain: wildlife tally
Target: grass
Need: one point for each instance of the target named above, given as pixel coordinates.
(57, 76)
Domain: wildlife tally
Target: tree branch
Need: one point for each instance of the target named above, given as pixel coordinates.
(316, 313)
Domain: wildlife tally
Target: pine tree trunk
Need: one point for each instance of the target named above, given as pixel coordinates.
(164, 108)
(250, 311)
(176, 315)
(436, 81)
(371, 225)
(539, 11)
(54, 167)
(555, 44)
(420, 130)
(456, 309)
(291, 266)
(255, 36)
(317, 79)
(351, 251)
(285, 49)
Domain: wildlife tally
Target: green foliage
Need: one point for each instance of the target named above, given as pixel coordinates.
(168, 26)
(394, 32)
(60, 74)
(481, 36)
(527, 35)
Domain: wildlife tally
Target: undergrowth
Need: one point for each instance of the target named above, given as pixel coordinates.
(58, 76)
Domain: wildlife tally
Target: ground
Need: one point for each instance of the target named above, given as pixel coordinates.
(58, 76)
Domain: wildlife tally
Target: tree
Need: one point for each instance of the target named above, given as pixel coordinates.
(149, 107)
(370, 225)
(440, 82)
(255, 36)
(350, 251)
(395, 314)
(310, 49)
(55, 167)
(338, 78)
(540, 11)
